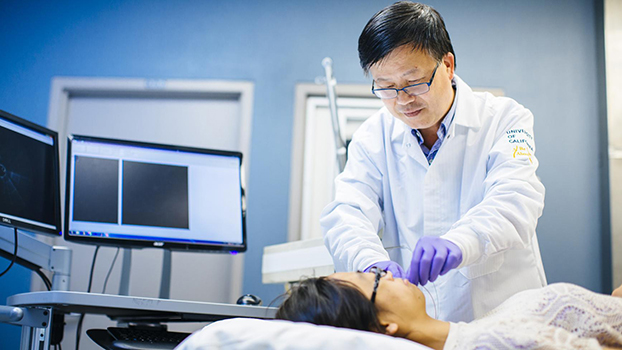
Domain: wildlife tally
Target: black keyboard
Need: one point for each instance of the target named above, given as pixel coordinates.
(139, 338)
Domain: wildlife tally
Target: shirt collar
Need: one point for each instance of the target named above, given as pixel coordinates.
(447, 120)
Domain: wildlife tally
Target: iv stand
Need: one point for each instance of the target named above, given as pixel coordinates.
(331, 82)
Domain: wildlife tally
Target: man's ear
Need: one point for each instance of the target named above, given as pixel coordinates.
(450, 64)
(391, 328)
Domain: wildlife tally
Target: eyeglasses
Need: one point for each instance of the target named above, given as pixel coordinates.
(379, 274)
(411, 90)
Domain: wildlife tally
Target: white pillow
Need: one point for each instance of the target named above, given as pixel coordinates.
(255, 334)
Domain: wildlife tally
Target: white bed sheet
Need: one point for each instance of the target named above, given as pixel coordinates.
(254, 334)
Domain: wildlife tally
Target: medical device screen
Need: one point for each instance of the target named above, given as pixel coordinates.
(126, 193)
(29, 176)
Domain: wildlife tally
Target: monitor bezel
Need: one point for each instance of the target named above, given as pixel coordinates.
(136, 243)
(16, 223)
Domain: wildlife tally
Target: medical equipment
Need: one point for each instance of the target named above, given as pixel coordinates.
(135, 194)
(289, 262)
(30, 201)
(331, 82)
(29, 180)
(37, 307)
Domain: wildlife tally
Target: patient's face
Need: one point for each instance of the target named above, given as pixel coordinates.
(394, 295)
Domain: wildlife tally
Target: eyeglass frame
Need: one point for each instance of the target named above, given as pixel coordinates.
(397, 91)
(379, 274)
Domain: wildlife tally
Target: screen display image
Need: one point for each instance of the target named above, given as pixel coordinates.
(155, 195)
(148, 195)
(29, 176)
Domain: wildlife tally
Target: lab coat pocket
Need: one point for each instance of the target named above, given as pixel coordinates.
(492, 264)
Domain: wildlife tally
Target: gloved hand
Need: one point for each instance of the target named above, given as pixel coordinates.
(392, 266)
(433, 256)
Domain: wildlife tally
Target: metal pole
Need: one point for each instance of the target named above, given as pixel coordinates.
(331, 82)
(165, 281)
(126, 266)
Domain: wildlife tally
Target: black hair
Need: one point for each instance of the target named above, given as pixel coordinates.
(330, 302)
(400, 24)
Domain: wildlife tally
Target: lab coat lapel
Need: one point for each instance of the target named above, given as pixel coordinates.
(412, 148)
(442, 185)
(446, 177)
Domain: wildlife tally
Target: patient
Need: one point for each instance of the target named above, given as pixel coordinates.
(559, 316)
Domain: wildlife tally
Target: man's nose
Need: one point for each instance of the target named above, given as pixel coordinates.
(403, 98)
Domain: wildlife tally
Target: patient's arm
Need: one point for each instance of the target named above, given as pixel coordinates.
(617, 292)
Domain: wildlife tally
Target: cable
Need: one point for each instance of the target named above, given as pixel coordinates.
(33, 267)
(45, 279)
(88, 290)
(78, 331)
(110, 270)
(433, 301)
(14, 256)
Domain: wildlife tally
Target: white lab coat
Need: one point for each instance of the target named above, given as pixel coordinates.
(480, 192)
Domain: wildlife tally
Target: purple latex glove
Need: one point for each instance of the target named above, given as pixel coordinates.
(392, 266)
(433, 256)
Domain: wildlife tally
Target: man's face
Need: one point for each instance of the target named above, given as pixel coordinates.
(405, 66)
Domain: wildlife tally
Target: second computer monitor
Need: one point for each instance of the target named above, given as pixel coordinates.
(135, 194)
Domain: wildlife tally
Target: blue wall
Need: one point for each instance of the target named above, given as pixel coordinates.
(542, 53)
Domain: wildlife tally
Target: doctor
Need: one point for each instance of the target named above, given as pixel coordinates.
(440, 186)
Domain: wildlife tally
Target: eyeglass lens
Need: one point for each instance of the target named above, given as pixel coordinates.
(412, 90)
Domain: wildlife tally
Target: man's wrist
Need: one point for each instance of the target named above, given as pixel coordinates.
(468, 242)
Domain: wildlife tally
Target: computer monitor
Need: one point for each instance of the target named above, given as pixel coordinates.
(136, 194)
(29, 176)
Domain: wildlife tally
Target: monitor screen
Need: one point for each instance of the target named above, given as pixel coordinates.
(29, 176)
(136, 194)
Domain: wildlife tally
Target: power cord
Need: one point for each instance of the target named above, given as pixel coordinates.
(15, 259)
(88, 290)
(110, 270)
(45, 279)
(14, 256)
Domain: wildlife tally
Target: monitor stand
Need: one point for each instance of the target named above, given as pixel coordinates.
(165, 281)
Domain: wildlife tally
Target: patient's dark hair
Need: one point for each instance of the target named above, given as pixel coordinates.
(403, 23)
(330, 302)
